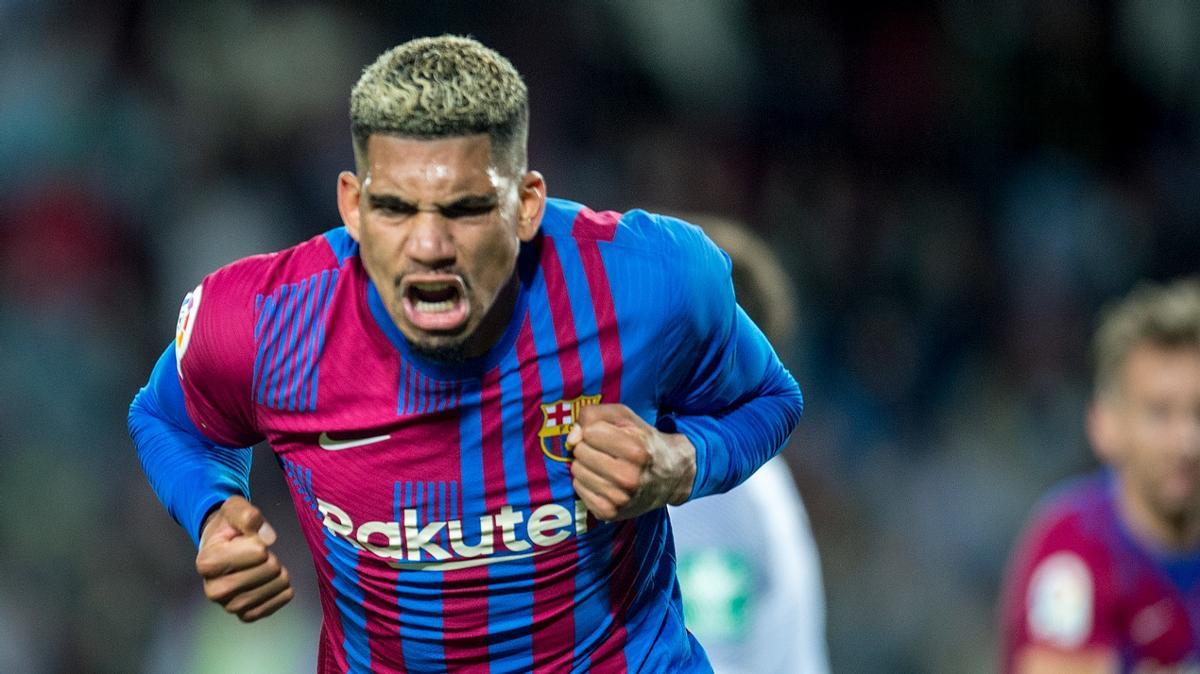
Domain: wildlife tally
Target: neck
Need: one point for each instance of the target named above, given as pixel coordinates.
(1173, 534)
(495, 322)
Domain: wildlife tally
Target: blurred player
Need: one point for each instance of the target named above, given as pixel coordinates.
(1107, 576)
(748, 566)
(482, 399)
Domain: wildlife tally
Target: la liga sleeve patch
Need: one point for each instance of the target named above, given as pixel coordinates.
(1060, 601)
(185, 324)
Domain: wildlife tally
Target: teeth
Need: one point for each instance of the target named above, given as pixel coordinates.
(434, 307)
(431, 286)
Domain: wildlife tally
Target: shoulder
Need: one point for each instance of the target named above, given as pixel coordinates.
(1073, 521)
(218, 315)
(1063, 574)
(234, 293)
(674, 242)
(261, 273)
(1075, 511)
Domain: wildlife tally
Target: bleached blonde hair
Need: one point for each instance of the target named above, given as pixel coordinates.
(435, 87)
(1162, 316)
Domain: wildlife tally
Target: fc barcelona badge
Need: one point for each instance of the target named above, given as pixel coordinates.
(557, 419)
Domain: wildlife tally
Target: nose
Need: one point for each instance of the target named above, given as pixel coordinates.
(430, 242)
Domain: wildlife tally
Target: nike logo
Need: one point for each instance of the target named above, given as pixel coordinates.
(332, 445)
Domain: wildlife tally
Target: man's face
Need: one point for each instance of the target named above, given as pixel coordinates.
(1149, 429)
(439, 228)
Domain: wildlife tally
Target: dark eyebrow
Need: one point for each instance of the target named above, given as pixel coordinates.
(473, 201)
(472, 204)
(390, 202)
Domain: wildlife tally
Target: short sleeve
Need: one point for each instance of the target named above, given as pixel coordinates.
(214, 349)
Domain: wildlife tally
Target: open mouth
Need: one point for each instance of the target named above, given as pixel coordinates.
(435, 302)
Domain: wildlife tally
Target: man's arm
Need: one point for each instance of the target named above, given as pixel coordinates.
(723, 387)
(204, 487)
(738, 418)
(726, 402)
(190, 474)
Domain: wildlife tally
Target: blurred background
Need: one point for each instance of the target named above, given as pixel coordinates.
(955, 188)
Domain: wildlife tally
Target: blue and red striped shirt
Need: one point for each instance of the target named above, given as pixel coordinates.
(1081, 580)
(436, 498)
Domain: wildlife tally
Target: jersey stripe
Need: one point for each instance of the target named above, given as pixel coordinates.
(349, 598)
(288, 378)
(509, 612)
(466, 608)
(588, 229)
(380, 615)
(271, 344)
(565, 337)
(420, 592)
(288, 320)
(268, 307)
(320, 311)
(336, 642)
(300, 375)
(520, 614)
(573, 318)
(327, 307)
(493, 476)
(288, 331)
(591, 610)
(341, 244)
(602, 301)
(420, 596)
(553, 622)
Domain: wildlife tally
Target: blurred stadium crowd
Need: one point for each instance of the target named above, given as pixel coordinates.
(955, 187)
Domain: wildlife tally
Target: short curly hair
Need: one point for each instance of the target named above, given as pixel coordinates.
(1163, 316)
(434, 87)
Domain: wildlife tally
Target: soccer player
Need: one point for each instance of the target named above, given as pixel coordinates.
(748, 565)
(482, 398)
(1107, 575)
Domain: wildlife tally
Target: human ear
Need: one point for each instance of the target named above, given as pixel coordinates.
(1103, 429)
(532, 194)
(349, 191)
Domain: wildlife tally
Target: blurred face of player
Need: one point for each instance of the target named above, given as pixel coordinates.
(1149, 430)
(439, 227)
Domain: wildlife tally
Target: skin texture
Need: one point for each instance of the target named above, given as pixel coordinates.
(406, 215)
(624, 467)
(239, 571)
(1148, 429)
(439, 210)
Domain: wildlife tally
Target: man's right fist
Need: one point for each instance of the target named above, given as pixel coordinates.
(238, 570)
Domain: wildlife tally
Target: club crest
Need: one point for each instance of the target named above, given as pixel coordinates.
(557, 419)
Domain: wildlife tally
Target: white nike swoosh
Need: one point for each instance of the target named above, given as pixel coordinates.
(332, 445)
(460, 563)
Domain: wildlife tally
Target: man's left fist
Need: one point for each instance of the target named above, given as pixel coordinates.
(624, 467)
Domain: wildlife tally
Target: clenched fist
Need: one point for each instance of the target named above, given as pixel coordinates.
(239, 572)
(624, 467)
